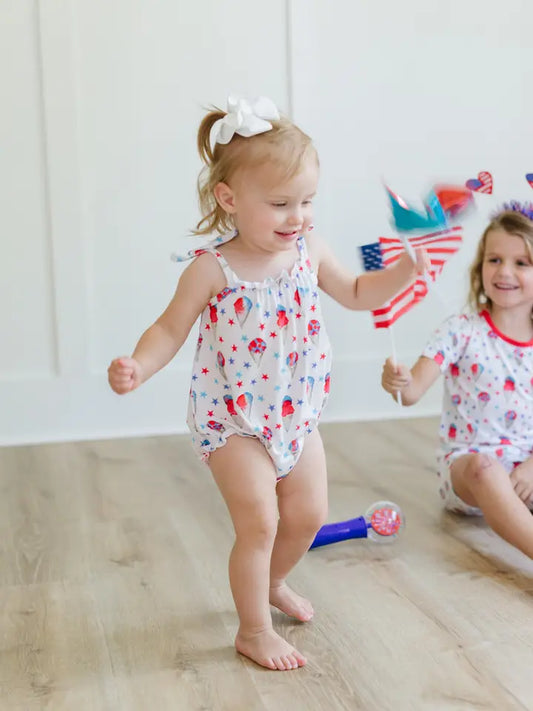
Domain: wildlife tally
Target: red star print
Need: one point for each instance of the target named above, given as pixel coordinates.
(221, 339)
(231, 322)
(305, 339)
(298, 315)
(322, 356)
(234, 348)
(313, 308)
(207, 327)
(262, 326)
(266, 417)
(205, 371)
(210, 413)
(278, 427)
(239, 384)
(264, 376)
(273, 334)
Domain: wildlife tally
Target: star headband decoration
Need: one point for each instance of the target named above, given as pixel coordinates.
(524, 208)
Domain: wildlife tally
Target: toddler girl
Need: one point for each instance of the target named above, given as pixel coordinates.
(261, 373)
(486, 357)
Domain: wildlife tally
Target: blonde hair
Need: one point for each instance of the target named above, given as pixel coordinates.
(285, 145)
(512, 222)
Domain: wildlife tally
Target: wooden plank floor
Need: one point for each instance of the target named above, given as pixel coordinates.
(114, 592)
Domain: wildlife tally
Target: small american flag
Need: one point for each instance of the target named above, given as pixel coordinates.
(439, 247)
(372, 257)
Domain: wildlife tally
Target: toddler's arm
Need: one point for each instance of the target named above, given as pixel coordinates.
(412, 384)
(159, 344)
(369, 290)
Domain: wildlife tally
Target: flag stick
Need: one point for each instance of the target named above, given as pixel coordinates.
(395, 361)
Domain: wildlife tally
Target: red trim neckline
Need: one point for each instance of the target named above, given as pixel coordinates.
(488, 319)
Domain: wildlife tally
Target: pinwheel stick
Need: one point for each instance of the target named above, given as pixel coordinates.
(394, 360)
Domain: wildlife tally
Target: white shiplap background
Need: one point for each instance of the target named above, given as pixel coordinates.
(100, 106)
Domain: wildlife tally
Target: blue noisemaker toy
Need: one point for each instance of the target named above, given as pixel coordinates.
(383, 522)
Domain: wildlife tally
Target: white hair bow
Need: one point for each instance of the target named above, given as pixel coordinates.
(247, 118)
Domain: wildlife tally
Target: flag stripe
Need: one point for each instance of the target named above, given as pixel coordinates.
(408, 293)
(389, 316)
(439, 246)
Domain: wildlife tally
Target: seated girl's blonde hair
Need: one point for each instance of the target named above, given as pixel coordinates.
(511, 221)
(285, 145)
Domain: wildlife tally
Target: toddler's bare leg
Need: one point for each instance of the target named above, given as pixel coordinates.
(303, 506)
(483, 482)
(246, 478)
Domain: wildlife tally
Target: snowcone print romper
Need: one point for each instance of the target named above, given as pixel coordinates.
(262, 363)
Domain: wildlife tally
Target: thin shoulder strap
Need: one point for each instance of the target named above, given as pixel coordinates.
(228, 273)
(302, 249)
(212, 248)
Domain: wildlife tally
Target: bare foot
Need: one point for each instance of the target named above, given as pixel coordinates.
(291, 603)
(269, 650)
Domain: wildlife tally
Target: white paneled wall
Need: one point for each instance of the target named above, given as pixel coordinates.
(101, 101)
(100, 106)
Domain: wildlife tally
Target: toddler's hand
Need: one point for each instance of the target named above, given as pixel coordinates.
(423, 263)
(395, 377)
(420, 265)
(522, 481)
(124, 375)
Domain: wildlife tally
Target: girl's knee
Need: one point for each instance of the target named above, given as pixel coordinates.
(479, 470)
(306, 521)
(319, 517)
(258, 529)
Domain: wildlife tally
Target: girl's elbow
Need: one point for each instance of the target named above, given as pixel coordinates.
(410, 399)
(405, 399)
(409, 402)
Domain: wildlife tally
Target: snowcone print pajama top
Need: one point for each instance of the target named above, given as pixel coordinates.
(262, 364)
(488, 395)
